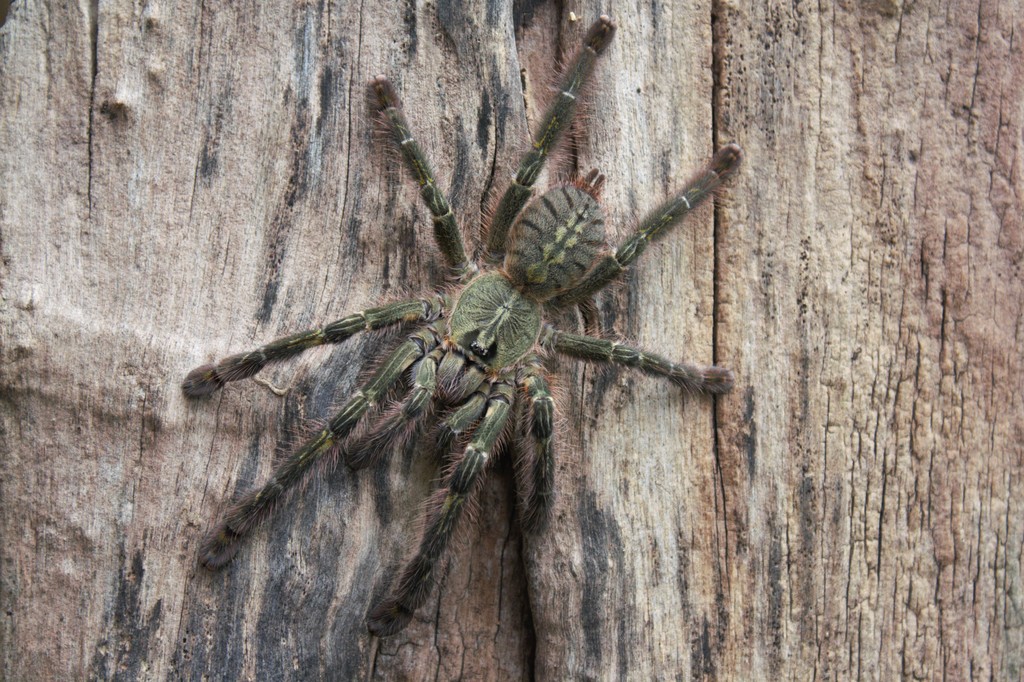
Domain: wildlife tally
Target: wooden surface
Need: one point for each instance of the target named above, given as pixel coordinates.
(184, 180)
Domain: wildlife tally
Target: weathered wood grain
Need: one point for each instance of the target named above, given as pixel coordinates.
(182, 181)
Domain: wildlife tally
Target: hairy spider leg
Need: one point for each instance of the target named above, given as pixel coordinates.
(556, 121)
(535, 467)
(206, 379)
(462, 419)
(698, 378)
(417, 578)
(401, 422)
(446, 232)
(253, 507)
(655, 225)
(444, 378)
(458, 378)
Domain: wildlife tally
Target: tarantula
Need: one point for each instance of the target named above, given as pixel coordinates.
(475, 361)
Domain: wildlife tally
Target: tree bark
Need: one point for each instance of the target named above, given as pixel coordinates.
(184, 181)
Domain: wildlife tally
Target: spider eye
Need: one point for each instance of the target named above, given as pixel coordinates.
(481, 351)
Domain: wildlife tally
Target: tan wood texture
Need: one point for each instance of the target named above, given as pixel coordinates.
(181, 181)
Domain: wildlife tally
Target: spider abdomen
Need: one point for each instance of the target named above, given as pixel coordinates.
(555, 241)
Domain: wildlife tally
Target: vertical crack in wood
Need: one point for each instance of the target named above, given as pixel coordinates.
(94, 34)
(717, 76)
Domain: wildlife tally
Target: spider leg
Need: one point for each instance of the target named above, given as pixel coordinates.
(703, 379)
(417, 578)
(655, 225)
(535, 467)
(557, 119)
(205, 379)
(251, 508)
(461, 419)
(401, 423)
(446, 232)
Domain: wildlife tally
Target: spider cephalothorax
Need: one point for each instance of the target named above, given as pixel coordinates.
(477, 351)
